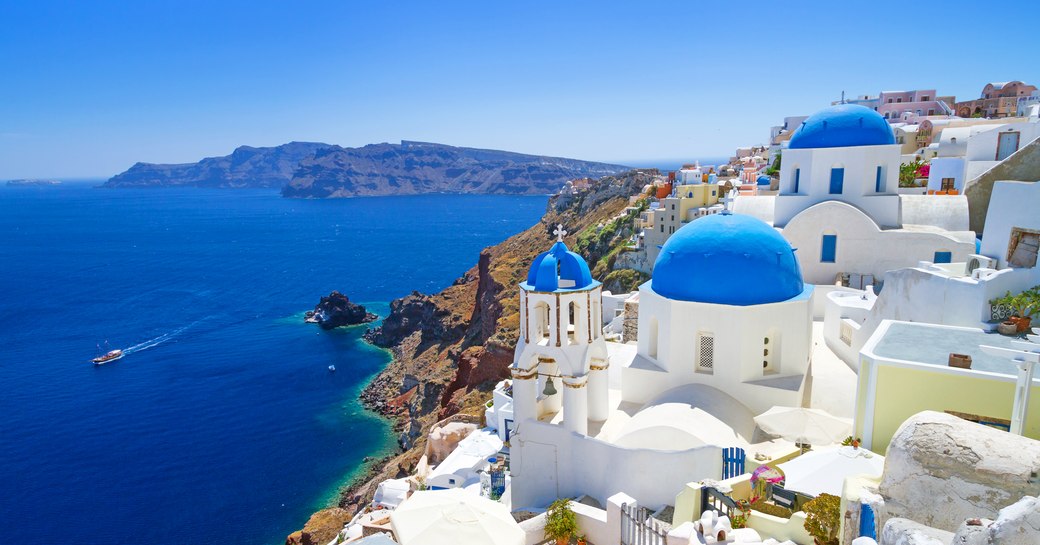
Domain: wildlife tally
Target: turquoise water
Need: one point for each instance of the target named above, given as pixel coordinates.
(223, 425)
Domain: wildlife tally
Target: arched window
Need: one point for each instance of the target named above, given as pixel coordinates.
(541, 322)
(573, 322)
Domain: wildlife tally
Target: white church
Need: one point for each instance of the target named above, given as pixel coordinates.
(839, 203)
(713, 352)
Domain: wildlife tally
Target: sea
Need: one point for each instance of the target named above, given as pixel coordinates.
(222, 424)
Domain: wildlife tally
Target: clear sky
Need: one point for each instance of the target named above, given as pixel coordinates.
(87, 88)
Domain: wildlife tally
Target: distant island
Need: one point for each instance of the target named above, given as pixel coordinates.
(316, 170)
(25, 182)
(245, 167)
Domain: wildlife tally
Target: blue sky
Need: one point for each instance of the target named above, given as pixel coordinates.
(89, 88)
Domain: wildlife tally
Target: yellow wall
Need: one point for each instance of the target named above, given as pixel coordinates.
(701, 197)
(902, 392)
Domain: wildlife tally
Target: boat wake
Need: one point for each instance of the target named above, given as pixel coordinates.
(152, 343)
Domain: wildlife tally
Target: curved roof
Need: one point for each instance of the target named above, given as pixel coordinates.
(728, 259)
(763, 180)
(686, 417)
(842, 126)
(558, 268)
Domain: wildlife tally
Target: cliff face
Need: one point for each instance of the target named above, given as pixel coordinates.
(245, 167)
(415, 167)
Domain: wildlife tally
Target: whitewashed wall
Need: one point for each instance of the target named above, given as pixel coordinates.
(860, 164)
(862, 247)
(549, 462)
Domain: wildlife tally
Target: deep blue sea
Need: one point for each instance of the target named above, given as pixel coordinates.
(223, 425)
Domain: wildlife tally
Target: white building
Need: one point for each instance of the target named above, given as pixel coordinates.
(965, 153)
(720, 283)
(839, 204)
(953, 294)
(725, 329)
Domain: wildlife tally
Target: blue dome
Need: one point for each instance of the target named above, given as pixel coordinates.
(842, 126)
(727, 259)
(763, 180)
(558, 266)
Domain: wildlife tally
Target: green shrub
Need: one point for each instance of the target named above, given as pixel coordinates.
(560, 520)
(823, 518)
(770, 509)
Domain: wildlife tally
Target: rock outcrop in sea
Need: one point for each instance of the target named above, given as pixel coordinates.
(336, 310)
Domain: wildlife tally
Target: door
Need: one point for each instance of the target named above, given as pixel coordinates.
(539, 472)
(1007, 143)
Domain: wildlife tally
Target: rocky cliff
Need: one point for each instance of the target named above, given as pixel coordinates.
(245, 167)
(411, 168)
(451, 348)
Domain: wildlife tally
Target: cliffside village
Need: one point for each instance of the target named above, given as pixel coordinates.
(834, 346)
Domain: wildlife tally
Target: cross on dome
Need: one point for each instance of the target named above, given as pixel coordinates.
(559, 232)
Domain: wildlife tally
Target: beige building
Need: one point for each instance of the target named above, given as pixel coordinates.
(997, 100)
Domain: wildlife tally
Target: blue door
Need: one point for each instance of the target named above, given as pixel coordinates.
(732, 462)
(837, 180)
(866, 521)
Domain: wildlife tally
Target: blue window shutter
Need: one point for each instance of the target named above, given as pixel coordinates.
(830, 248)
(837, 180)
(879, 184)
(943, 257)
(797, 175)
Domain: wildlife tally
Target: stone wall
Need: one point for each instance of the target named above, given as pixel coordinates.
(1023, 165)
(941, 470)
(631, 331)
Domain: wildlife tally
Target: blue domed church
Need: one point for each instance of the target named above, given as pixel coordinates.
(839, 203)
(726, 307)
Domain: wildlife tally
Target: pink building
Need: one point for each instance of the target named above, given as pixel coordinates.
(909, 106)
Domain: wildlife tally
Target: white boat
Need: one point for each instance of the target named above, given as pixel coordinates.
(110, 356)
(332, 368)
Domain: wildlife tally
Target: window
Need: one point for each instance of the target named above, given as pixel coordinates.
(1022, 248)
(770, 348)
(830, 248)
(797, 176)
(837, 180)
(925, 98)
(541, 317)
(879, 182)
(946, 184)
(662, 227)
(899, 99)
(652, 340)
(705, 353)
(1007, 143)
(942, 256)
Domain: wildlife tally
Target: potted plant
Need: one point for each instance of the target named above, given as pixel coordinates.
(560, 522)
(823, 518)
(1024, 305)
(582, 540)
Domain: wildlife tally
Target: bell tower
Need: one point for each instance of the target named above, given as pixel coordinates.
(560, 361)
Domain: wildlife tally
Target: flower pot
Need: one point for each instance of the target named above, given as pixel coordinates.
(1007, 328)
(562, 540)
(1023, 324)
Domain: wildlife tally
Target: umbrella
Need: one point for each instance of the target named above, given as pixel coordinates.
(802, 425)
(456, 517)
